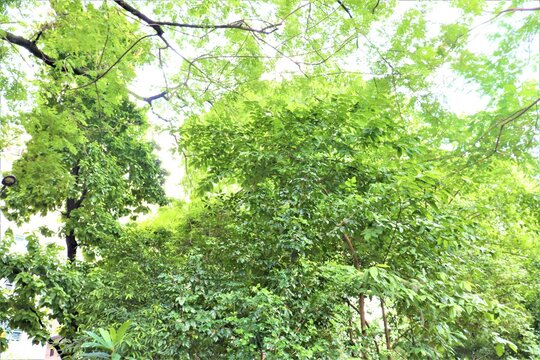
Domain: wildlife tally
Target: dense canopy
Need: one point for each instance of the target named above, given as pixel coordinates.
(361, 178)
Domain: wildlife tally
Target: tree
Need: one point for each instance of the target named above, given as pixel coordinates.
(45, 290)
(93, 163)
(87, 156)
(311, 201)
(346, 189)
(232, 44)
(340, 181)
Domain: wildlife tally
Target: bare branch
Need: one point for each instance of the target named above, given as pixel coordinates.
(162, 68)
(239, 25)
(518, 10)
(338, 49)
(298, 64)
(510, 10)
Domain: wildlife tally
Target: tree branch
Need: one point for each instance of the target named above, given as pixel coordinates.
(157, 25)
(517, 9)
(505, 12)
(403, 334)
(375, 7)
(162, 94)
(56, 63)
(508, 119)
(345, 8)
(239, 25)
(37, 52)
(150, 99)
(154, 25)
(50, 340)
(350, 246)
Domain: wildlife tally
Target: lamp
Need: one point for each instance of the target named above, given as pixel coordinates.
(8, 181)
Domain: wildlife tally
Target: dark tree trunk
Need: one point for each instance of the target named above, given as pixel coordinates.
(71, 245)
(71, 205)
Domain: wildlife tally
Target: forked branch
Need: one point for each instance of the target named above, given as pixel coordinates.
(158, 25)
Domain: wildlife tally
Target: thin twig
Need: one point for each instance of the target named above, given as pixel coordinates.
(114, 64)
(375, 7)
(392, 237)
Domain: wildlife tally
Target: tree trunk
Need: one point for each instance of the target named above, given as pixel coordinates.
(386, 329)
(71, 205)
(71, 245)
(361, 302)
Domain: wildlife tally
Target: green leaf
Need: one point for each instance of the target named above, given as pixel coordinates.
(499, 349)
(122, 331)
(374, 272)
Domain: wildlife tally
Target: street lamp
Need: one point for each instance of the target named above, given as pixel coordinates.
(8, 181)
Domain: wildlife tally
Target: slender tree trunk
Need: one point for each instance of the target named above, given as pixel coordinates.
(386, 329)
(362, 308)
(361, 300)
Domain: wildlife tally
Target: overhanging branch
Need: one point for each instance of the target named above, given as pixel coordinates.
(518, 10)
(506, 11)
(508, 119)
(57, 63)
(150, 99)
(37, 52)
(157, 25)
(153, 24)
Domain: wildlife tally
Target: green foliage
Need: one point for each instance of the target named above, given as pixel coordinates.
(45, 289)
(331, 216)
(110, 342)
(87, 155)
(96, 157)
(259, 265)
(345, 164)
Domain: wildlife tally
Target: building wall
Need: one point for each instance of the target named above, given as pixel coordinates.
(21, 348)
